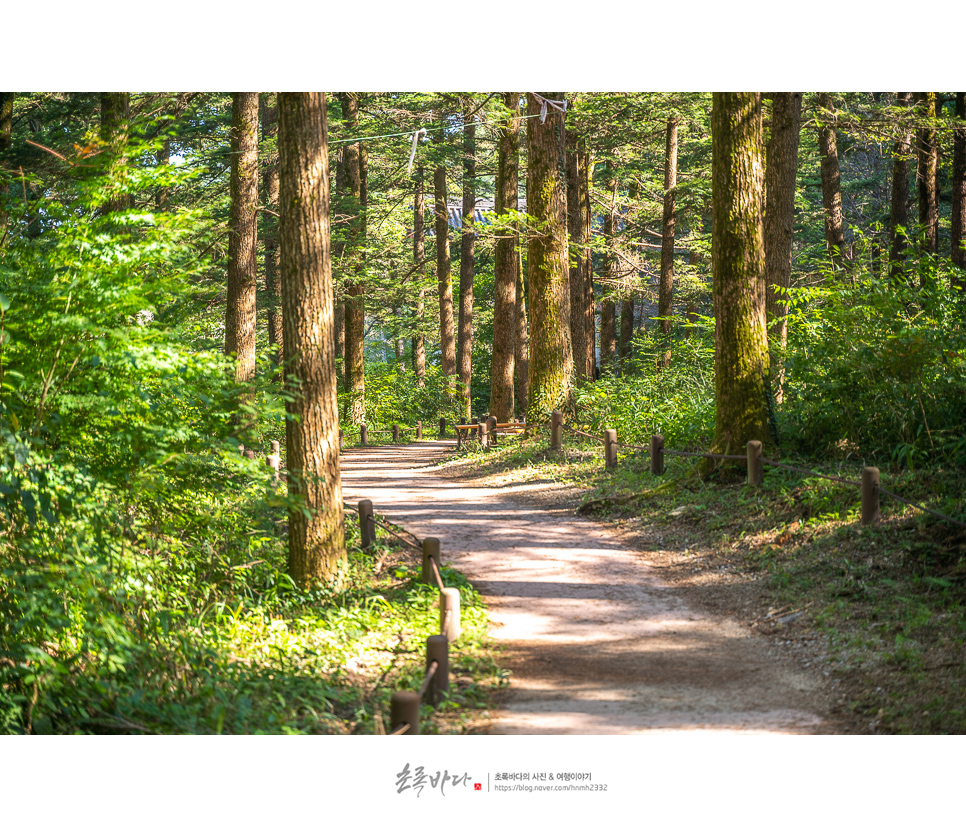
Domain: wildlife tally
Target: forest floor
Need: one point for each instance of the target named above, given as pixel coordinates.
(606, 626)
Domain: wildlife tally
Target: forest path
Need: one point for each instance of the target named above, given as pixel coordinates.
(597, 643)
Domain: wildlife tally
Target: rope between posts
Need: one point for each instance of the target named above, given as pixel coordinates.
(581, 433)
(920, 507)
(439, 578)
(429, 676)
(809, 472)
(415, 543)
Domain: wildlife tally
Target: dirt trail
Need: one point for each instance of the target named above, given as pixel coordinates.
(597, 642)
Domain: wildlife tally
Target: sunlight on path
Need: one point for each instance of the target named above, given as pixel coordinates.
(596, 642)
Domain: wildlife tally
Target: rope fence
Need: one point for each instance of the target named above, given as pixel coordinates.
(755, 461)
(404, 705)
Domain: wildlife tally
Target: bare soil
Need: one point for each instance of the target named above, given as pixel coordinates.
(603, 627)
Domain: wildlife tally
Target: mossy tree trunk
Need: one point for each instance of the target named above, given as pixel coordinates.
(738, 256)
(608, 308)
(506, 264)
(576, 185)
(317, 541)
(780, 171)
(551, 360)
(927, 159)
(243, 235)
(521, 346)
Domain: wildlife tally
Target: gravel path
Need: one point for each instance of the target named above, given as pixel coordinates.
(596, 642)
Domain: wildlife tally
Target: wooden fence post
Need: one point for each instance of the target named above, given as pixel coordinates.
(363, 434)
(657, 454)
(610, 448)
(437, 648)
(367, 524)
(756, 469)
(430, 552)
(404, 709)
(341, 441)
(419, 429)
(491, 430)
(484, 440)
(870, 494)
(395, 432)
(449, 613)
(556, 431)
(442, 427)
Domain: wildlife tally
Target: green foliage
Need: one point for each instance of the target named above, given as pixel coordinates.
(876, 370)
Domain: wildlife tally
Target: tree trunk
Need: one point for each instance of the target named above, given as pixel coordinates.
(115, 118)
(831, 180)
(6, 120)
(243, 236)
(958, 220)
(608, 309)
(273, 287)
(317, 539)
(738, 252)
(506, 261)
(551, 360)
(355, 311)
(590, 305)
(927, 158)
(627, 332)
(444, 280)
(419, 275)
(665, 299)
(780, 170)
(576, 183)
(464, 344)
(899, 214)
(521, 345)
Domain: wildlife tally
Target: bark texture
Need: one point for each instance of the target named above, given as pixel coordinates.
(831, 180)
(6, 120)
(316, 543)
(521, 346)
(899, 212)
(780, 171)
(551, 360)
(576, 185)
(958, 214)
(243, 235)
(506, 263)
(608, 309)
(464, 338)
(115, 119)
(738, 255)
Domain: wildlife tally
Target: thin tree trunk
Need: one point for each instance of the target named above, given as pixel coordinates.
(521, 345)
(505, 264)
(958, 219)
(590, 301)
(464, 344)
(576, 181)
(242, 241)
(551, 360)
(780, 170)
(317, 538)
(270, 227)
(626, 332)
(741, 335)
(419, 275)
(355, 312)
(927, 158)
(665, 299)
(899, 213)
(831, 181)
(444, 280)
(608, 309)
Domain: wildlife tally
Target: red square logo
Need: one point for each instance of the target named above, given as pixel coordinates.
(477, 786)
